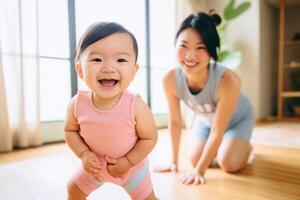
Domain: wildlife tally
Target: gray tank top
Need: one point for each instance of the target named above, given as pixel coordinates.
(204, 103)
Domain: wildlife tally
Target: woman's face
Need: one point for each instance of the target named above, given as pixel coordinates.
(192, 54)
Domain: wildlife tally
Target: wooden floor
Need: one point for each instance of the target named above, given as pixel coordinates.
(273, 174)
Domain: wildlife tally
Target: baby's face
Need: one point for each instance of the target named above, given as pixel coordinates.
(108, 65)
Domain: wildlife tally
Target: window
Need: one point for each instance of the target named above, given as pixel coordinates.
(53, 40)
(117, 11)
(46, 33)
(162, 37)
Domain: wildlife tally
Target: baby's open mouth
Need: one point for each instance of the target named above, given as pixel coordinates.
(108, 82)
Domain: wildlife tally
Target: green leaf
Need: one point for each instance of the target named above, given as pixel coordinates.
(230, 12)
(230, 59)
(223, 55)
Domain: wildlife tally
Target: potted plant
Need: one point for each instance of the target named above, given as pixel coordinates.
(232, 59)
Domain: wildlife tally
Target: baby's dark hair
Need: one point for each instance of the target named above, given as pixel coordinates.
(101, 30)
(205, 24)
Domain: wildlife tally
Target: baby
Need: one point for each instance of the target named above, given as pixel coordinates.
(109, 128)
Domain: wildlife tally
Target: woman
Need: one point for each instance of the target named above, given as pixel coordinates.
(224, 117)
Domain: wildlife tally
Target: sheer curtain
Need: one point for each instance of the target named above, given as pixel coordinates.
(19, 75)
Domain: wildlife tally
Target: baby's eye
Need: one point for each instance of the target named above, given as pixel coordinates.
(182, 45)
(122, 60)
(97, 60)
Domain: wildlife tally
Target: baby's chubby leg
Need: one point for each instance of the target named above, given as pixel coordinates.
(74, 193)
(151, 196)
(82, 184)
(139, 187)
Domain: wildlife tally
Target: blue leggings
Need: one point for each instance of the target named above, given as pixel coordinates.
(241, 129)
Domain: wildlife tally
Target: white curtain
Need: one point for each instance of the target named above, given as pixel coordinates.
(19, 75)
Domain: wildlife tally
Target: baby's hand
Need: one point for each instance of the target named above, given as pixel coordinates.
(91, 163)
(117, 167)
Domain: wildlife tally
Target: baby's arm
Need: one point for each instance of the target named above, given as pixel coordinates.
(146, 130)
(77, 145)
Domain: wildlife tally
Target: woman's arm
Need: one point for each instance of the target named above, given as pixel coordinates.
(227, 99)
(146, 130)
(175, 120)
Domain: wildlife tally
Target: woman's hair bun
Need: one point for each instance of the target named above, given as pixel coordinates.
(215, 17)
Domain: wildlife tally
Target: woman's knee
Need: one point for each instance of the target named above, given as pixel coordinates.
(230, 164)
(233, 154)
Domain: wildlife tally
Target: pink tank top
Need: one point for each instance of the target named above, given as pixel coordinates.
(108, 133)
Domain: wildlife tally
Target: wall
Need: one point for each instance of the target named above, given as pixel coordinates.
(268, 58)
(185, 7)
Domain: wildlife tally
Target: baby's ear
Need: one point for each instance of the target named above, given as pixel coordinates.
(79, 72)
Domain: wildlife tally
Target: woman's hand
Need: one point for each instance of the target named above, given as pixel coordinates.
(91, 163)
(172, 168)
(192, 178)
(117, 167)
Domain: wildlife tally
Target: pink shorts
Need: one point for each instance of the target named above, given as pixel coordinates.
(138, 186)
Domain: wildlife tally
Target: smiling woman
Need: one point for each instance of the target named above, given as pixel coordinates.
(223, 115)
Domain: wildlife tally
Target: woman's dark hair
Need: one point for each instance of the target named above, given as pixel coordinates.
(100, 30)
(205, 25)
